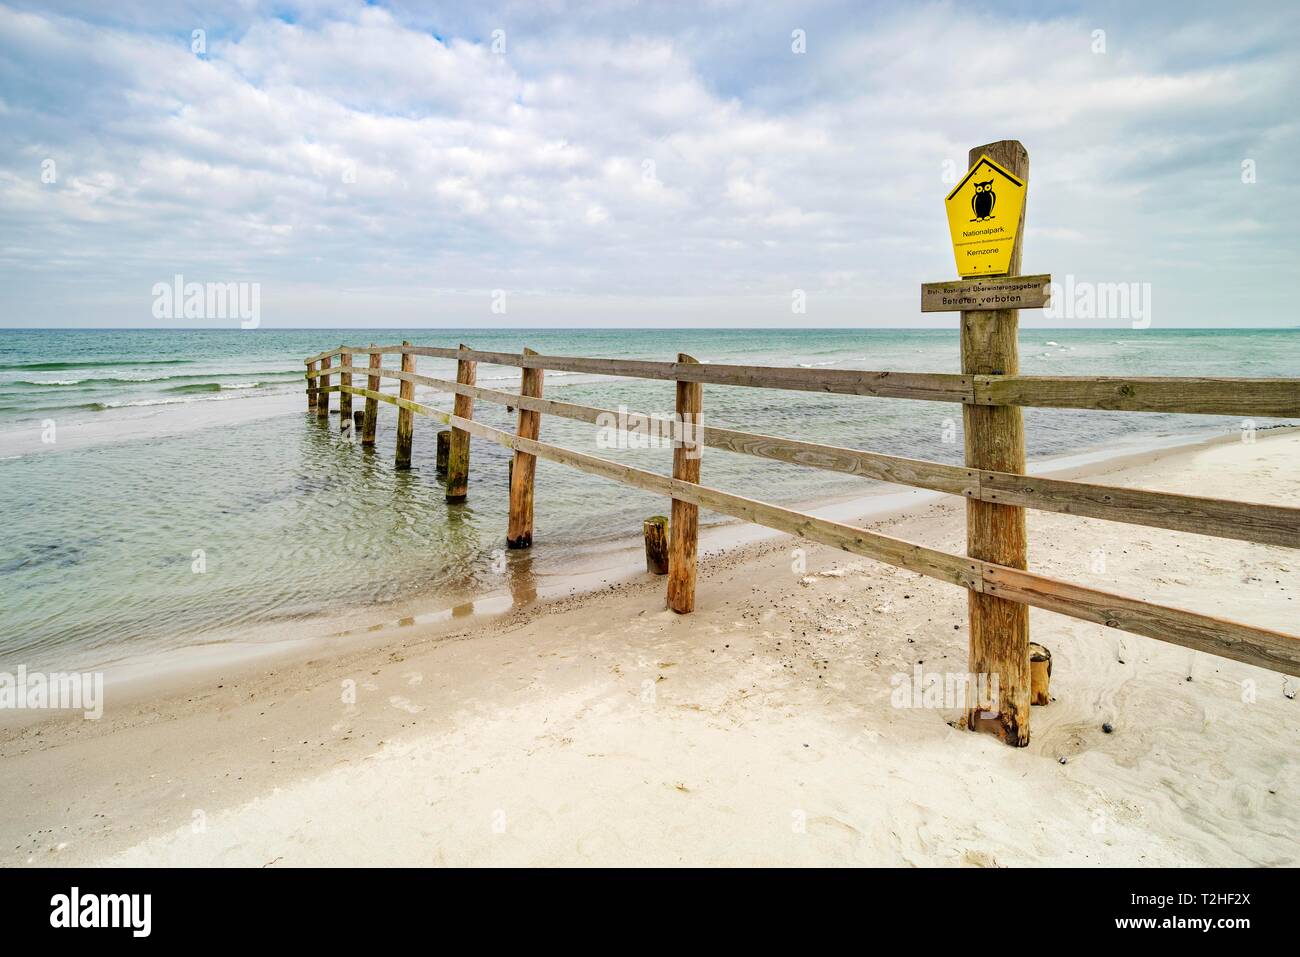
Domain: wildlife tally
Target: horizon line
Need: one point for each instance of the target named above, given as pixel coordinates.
(3, 329)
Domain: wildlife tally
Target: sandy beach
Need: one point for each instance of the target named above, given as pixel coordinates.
(602, 729)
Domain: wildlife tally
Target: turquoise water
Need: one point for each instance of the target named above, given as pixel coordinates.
(172, 443)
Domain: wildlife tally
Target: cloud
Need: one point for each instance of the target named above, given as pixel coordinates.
(616, 164)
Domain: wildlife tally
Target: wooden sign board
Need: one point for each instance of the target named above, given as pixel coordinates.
(984, 217)
(975, 295)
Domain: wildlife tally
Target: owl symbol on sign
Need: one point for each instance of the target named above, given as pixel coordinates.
(982, 200)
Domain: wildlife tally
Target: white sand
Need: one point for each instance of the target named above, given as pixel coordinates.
(760, 730)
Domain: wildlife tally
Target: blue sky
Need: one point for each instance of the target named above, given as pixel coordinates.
(635, 164)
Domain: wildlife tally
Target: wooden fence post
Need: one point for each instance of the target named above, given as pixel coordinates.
(311, 386)
(1040, 673)
(995, 440)
(371, 421)
(683, 527)
(405, 417)
(458, 453)
(655, 532)
(345, 398)
(524, 465)
(443, 451)
(323, 397)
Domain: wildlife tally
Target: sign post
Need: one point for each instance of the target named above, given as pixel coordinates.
(986, 213)
(1009, 292)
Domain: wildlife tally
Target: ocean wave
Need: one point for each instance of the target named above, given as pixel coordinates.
(25, 409)
(108, 406)
(550, 374)
(196, 392)
(138, 380)
(213, 387)
(90, 364)
(195, 387)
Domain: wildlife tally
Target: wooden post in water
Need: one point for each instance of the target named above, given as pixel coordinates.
(345, 398)
(311, 386)
(524, 466)
(458, 451)
(358, 422)
(995, 440)
(323, 397)
(683, 528)
(370, 423)
(405, 417)
(444, 449)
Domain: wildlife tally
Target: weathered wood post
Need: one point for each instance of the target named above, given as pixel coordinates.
(524, 465)
(683, 529)
(444, 449)
(323, 397)
(655, 530)
(995, 440)
(358, 422)
(458, 452)
(370, 422)
(311, 386)
(345, 398)
(405, 417)
(1040, 674)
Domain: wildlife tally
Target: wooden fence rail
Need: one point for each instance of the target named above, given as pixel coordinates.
(1188, 394)
(1243, 521)
(1267, 648)
(1256, 522)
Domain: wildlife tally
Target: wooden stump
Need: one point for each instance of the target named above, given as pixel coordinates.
(323, 397)
(684, 527)
(1040, 674)
(656, 544)
(523, 466)
(311, 386)
(458, 453)
(405, 417)
(370, 421)
(995, 440)
(345, 398)
(444, 449)
(358, 421)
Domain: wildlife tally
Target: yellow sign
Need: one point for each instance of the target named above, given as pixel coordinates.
(984, 217)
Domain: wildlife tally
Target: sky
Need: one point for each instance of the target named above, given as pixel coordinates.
(702, 164)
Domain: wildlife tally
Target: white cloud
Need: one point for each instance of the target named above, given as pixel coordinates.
(612, 155)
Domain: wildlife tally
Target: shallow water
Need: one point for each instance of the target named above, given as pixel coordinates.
(188, 494)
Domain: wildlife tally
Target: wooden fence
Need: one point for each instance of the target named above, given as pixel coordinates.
(989, 390)
(1269, 524)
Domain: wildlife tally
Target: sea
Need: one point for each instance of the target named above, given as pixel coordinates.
(167, 490)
